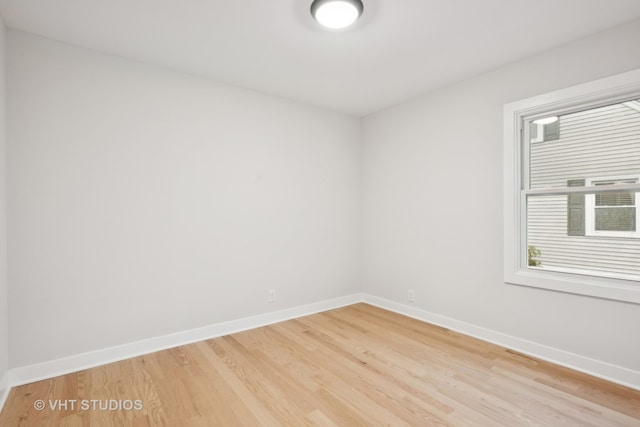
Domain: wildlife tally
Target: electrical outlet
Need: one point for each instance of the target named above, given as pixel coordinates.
(272, 295)
(410, 296)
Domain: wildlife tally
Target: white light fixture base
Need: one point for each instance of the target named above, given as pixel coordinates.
(336, 14)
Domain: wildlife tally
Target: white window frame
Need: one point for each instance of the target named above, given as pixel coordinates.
(590, 207)
(619, 88)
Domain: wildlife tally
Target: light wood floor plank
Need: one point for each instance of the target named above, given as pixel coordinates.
(354, 366)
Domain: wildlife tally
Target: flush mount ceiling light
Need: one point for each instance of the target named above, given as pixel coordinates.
(336, 14)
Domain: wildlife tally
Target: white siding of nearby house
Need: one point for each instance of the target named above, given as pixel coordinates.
(597, 143)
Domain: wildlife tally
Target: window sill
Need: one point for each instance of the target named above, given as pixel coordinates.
(617, 289)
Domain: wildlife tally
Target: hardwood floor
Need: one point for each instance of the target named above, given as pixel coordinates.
(354, 366)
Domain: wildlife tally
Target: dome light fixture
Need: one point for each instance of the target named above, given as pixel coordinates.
(336, 14)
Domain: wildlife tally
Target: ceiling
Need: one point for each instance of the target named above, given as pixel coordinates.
(398, 49)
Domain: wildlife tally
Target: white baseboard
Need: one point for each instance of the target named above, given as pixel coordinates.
(54, 368)
(66, 365)
(4, 389)
(597, 368)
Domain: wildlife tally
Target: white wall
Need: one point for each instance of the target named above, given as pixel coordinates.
(4, 309)
(432, 173)
(144, 202)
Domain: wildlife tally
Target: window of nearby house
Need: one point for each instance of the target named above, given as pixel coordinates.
(614, 214)
(572, 189)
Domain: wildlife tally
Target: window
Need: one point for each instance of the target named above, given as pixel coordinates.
(572, 189)
(612, 214)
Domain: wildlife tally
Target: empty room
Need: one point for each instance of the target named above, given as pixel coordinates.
(319, 213)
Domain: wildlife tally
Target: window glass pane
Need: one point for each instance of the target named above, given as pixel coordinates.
(615, 199)
(626, 198)
(598, 142)
(615, 219)
(555, 244)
